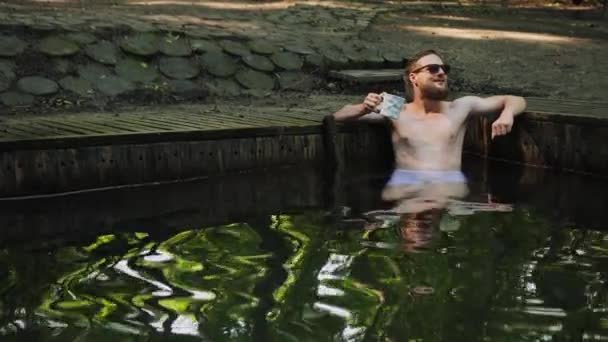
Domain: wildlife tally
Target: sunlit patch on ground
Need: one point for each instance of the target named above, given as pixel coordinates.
(478, 34)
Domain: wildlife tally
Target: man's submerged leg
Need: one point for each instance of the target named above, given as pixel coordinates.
(403, 183)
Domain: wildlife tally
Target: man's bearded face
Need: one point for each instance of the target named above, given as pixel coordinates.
(435, 90)
(432, 82)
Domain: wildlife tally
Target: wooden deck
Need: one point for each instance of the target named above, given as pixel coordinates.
(158, 124)
(186, 121)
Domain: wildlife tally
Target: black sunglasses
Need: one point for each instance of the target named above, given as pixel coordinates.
(434, 68)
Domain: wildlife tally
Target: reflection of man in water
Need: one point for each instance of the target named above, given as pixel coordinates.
(417, 229)
(429, 132)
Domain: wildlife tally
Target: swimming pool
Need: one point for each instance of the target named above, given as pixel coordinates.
(302, 267)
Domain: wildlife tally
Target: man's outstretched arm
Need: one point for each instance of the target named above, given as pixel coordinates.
(507, 106)
(363, 111)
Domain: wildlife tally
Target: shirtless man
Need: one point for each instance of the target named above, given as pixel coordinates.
(429, 132)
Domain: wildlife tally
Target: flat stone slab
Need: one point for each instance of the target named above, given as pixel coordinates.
(219, 64)
(142, 27)
(315, 60)
(93, 71)
(14, 99)
(81, 37)
(103, 52)
(11, 46)
(37, 85)
(299, 48)
(113, 85)
(394, 57)
(252, 79)
(77, 85)
(204, 45)
(175, 47)
(136, 71)
(335, 58)
(262, 47)
(57, 46)
(258, 62)
(143, 44)
(235, 48)
(179, 68)
(368, 76)
(287, 60)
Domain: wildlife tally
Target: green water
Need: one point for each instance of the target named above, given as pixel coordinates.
(302, 276)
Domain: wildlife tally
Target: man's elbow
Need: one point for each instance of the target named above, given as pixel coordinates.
(519, 99)
(517, 103)
(522, 103)
(338, 116)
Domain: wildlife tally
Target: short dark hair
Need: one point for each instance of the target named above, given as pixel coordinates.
(411, 66)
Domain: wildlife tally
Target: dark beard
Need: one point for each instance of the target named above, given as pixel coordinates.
(433, 93)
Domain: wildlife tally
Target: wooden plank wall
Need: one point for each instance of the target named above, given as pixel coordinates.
(36, 170)
(43, 171)
(548, 140)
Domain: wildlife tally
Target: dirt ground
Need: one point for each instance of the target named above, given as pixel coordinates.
(553, 50)
(532, 51)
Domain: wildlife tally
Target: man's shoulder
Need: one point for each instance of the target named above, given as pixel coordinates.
(465, 100)
(465, 103)
(462, 106)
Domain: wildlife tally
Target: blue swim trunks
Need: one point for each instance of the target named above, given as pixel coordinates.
(414, 177)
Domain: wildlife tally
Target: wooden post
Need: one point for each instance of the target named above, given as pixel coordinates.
(333, 163)
(331, 156)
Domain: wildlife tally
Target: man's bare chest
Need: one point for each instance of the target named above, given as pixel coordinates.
(433, 129)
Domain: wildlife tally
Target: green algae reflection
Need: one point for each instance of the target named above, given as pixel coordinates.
(497, 276)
